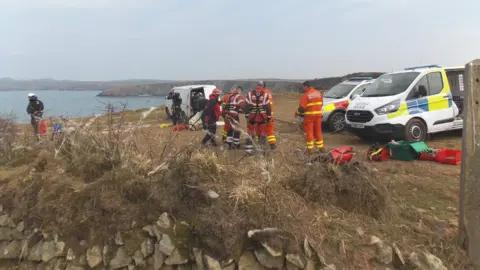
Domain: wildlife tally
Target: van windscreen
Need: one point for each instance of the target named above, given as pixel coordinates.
(390, 84)
(339, 91)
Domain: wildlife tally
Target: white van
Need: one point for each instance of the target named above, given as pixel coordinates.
(187, 94)
(337, 99)
(409, 104)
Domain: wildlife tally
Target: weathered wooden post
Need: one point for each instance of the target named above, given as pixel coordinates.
(469, 217)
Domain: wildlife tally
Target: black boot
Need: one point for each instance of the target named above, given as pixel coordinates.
(273, 146)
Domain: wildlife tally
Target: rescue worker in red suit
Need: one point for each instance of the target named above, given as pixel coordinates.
(258, 114)
(233, 107)
(210, 116)
(310, 108)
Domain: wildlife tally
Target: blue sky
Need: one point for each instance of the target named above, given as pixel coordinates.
(227, 39)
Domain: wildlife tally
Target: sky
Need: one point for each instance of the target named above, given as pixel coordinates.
(231, 39)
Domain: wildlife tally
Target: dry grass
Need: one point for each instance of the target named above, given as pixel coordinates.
(109, 171)
(352, 187)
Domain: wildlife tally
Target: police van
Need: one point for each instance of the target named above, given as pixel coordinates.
(409, 104)
(337, 99)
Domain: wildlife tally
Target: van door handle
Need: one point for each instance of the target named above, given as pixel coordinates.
(446, 96)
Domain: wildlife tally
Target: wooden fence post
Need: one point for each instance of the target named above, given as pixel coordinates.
(469, 216)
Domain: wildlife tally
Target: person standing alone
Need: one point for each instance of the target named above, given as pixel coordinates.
(210, 116)
(35, 110)
(310, 108)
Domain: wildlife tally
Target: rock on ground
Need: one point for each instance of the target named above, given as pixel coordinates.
(198, 254)
(94, 256)
(158, 258)
(164, 221)
(212, 264)
(166, 245)
(147, 247)
(121, 259)
(49, 249)
(249, 262)
(297, 259)
(267, 260)
(176, 258)
(425, 261)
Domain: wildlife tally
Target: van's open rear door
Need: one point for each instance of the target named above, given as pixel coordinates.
(455, 80)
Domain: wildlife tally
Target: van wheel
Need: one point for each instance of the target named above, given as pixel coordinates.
(415, 131)
(336, 121)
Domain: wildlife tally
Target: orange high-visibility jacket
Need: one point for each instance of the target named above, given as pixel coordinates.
(271, 99)
(225, 99)
(311, 103)
(224, 103)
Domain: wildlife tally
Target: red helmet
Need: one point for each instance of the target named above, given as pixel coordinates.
(216, 91)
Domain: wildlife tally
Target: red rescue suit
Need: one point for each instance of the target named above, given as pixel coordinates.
(234, 105)
(258, 114)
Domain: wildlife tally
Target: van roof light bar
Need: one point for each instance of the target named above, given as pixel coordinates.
(420, 67)
(360, 78)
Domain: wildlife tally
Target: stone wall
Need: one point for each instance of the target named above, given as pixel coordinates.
(164, 245)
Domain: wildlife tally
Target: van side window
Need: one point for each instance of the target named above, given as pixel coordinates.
(435, 83)
(414, 93)
(428, 85)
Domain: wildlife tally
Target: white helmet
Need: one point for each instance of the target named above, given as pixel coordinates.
(31, 95)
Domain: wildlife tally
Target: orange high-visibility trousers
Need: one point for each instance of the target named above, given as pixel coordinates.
(271, 132)
(225, 130)
(312, 125)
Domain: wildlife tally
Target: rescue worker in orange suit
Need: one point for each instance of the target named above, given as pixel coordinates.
(234, 106)
(310, 109)
(258, 114)
(272, 141)
(223, 103)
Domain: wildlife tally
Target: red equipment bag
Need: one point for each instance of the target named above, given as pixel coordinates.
(378, 153)
(43, 127)
(341, 155)
(179, 127)
(449, 156)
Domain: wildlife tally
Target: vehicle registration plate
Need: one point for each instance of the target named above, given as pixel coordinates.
(357, 125)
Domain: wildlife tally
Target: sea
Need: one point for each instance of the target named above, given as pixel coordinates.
(71, 104)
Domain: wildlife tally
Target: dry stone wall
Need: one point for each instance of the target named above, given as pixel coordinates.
(161, 246)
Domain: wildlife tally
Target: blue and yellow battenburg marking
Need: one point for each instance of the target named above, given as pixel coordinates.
(427, 104)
